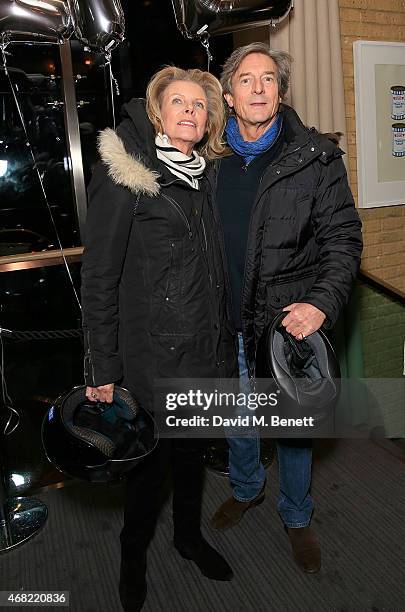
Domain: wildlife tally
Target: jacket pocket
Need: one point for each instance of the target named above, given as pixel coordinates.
(167, 312)
(288, 288)
(175, 275)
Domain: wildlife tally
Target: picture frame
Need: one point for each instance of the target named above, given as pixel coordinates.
(379, 79)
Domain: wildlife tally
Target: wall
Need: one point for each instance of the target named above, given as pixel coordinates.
(382, 322)
(384, 228)
(382, 318)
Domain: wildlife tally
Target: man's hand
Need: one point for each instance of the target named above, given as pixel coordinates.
(104, 393)
(303, 320)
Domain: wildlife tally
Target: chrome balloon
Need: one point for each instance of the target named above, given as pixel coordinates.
(194, 17)
(34, 20)
(99, 24)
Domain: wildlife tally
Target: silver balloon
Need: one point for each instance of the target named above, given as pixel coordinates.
(99, 24)
(34, 20)
(195, 18)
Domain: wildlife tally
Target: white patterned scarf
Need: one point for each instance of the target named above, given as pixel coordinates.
(189, 169)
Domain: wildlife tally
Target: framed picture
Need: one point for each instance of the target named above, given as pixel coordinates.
(379, 77)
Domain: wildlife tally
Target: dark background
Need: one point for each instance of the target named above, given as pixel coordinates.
(153, 41)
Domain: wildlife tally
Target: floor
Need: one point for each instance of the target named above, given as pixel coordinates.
(359, 491)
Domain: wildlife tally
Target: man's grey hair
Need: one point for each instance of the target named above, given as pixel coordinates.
(280, 58)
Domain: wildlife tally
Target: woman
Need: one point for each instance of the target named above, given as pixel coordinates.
(154, 296)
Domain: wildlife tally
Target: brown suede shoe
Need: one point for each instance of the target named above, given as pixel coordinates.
(231, 511)
(305, 548)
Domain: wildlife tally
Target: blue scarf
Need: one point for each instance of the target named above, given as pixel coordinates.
(250, 150)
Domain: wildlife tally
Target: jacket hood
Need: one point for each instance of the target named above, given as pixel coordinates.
(297, 134)
(129, 152)
(141, 134)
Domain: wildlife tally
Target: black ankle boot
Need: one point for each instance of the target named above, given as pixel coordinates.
(132, 601)
(132, 585)
(208, 560)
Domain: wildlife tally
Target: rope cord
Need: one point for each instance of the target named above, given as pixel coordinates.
(41, 335)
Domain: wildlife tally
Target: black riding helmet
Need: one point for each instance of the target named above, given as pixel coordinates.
(306, 373)
(97, 441)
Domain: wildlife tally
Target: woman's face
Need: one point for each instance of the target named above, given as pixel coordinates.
(184, 113)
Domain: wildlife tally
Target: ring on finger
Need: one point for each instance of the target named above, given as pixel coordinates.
(94, 395)
(303, 337)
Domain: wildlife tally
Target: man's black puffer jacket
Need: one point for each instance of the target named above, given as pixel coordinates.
(153, 283)
(304, 242)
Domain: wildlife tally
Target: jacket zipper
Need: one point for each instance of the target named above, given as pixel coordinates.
(252, 374)
(137, 202)
(88, 355)
(180, 211)
(217, 217)
(206, 250)
(288, 280)
(205, 235)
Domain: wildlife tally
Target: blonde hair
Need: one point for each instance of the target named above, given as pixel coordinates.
(211, 145)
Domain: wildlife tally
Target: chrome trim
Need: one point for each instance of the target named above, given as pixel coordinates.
(24, 261)
(73, 135)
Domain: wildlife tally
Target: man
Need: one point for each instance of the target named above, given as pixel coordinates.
(293, 243)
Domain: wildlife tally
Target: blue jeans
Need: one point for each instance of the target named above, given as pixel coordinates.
(246, 472)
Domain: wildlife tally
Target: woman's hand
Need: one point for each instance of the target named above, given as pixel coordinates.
(104, 393)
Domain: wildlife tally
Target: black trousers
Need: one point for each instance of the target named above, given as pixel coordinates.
(144, 495)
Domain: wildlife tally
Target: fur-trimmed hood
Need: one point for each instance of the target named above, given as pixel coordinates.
(124, 168)
(129, 152)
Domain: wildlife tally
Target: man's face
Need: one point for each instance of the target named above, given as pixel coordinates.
(255, 97)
